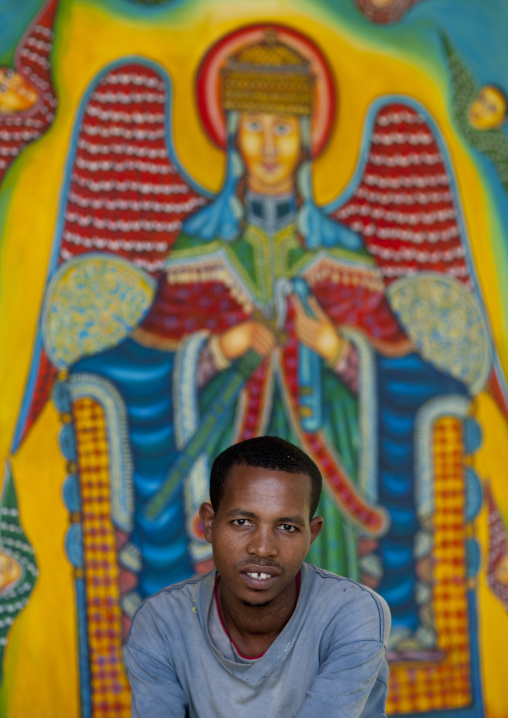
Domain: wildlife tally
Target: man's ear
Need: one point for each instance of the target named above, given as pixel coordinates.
(316, 526)
(206, 514)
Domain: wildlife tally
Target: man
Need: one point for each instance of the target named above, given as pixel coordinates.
(265, 634)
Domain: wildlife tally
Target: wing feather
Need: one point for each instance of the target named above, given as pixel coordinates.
(126, 195)
(404, 206)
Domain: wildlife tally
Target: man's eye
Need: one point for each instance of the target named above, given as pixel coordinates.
(241, 522)
(253, 126)
(288, 528)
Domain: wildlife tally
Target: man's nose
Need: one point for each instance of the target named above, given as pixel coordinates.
(262, 543)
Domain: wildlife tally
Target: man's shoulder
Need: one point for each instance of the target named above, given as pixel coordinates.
(347, 600)
(331, 581)
(181, 590)
(172, 604)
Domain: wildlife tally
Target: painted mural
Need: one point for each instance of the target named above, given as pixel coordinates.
(221, 220)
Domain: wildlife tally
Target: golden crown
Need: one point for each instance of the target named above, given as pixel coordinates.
(268, 76)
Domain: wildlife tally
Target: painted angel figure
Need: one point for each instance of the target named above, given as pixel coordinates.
(190, 322)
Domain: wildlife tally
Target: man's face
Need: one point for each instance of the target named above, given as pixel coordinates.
(261, 533)
(270, 147)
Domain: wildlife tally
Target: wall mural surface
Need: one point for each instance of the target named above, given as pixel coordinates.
(225, 219)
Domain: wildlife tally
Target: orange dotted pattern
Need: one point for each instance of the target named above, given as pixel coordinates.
(110, 691)
(444, 684)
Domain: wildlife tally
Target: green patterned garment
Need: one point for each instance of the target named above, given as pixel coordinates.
(18, 568)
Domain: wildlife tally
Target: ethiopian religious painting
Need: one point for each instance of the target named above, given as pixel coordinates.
(223, 220)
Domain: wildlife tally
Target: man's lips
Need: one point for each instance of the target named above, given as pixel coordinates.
(259, 577)
(259, 568)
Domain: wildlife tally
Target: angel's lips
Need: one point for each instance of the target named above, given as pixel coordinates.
(270, 166)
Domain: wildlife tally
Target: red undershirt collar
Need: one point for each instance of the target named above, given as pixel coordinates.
(248, 658)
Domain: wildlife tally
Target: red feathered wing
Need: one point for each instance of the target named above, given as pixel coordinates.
(125, 194)
(405, 208)
(33, 61)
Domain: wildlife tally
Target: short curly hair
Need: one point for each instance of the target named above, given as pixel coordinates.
(264, 452)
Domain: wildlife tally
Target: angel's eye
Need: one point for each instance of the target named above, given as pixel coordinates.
(9, 72)
(3, 87)
(281, 129)
(253, 126)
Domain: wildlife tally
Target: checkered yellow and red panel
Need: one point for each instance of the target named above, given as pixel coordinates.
(443, 684)
(110, 691)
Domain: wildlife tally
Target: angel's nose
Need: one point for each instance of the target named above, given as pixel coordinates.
(269, 147)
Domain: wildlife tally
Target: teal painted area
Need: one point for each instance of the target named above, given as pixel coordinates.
(476, 27)
(15, 18)
(498, 239)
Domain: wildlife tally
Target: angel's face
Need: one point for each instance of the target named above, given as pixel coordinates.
(16, 93)
(10, 571)
(488, 109)
(271, 149)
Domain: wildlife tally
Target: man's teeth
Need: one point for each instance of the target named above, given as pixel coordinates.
(260, 576)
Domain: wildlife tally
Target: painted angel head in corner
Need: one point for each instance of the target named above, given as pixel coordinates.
(16, 92)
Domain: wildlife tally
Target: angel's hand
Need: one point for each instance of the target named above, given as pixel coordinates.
(318, 332)
(235, 342)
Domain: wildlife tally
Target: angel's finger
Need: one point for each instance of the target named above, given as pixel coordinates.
(263, 341)
(308, 336)
(264, 333)
(263, 348)
(318, 309)
(305, 323)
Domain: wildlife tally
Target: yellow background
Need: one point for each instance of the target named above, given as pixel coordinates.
(40, 666)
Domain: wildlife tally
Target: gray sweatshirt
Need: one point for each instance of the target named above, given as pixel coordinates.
(329, 660)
